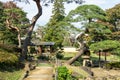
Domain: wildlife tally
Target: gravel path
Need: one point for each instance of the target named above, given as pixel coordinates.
(41, 73)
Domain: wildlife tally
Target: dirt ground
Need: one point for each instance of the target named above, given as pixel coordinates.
(102, 73)
(41, 73)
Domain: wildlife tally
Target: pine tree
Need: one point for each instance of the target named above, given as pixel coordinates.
(54, 32)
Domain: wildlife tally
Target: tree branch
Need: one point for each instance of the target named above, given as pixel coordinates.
(34, 19)
(10, 26)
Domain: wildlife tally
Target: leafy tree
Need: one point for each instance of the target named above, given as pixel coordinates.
(86, 13)
(107, 45)
(1, 21)
(54, 32)
(100, 31)
(6, 35)
(113, 15)
(61, 28)
(34, 19)
(14, 18)
(40, 32)
(1, 14)
(91, 17)
(64, 74)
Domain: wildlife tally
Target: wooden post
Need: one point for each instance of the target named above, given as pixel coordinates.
(99, 58)
(105, 60)
(39, 50)
(51, 50)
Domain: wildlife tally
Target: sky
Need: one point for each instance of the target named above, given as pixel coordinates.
(31, 8)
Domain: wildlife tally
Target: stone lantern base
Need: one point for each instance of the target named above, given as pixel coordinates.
(86, 61)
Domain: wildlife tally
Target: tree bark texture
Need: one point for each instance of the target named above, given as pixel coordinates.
(13, 28)
(29, 33)
(82, 49)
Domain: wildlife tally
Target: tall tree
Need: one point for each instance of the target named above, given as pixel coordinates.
(113, 15)
(86, 14)
(30, 30)
(34, 19)
(14, 18)
(89, 15)
(1, 22)
(1, 14)
(54, 32)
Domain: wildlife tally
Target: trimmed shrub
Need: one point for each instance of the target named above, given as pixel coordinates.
(7, 60)
(76, 63)
(113, 65)
(8, 47)
(59, 54)
(64, 74)
(43, 57)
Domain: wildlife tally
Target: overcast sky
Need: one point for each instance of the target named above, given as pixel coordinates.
(47, 11)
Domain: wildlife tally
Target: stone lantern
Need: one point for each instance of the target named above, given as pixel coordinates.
(86, 58)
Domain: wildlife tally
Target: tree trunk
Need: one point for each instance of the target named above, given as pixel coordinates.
(29, 33)
(14, 28)
(76, 57)
(82, 49)
(19, 40)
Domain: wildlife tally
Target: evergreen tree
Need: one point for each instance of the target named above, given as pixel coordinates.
(113, 15)
(34, 20)
(1, 21)
(55, 32)
(13, 21)
(93, 19)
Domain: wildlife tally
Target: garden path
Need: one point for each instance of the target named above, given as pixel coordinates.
(41, 73)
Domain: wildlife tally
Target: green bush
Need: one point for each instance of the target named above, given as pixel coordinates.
(7, 59)
(59, 54)
(9, 48)
(113, 65)
(43, 57)
(77, 63)
(108, 66)
(64, 74)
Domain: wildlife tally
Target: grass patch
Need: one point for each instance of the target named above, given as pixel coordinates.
(109, 58)
(69, 55)
(81, 72)
(15, 75)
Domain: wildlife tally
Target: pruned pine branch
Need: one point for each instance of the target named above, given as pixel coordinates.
(11, 27)
(14, 28)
